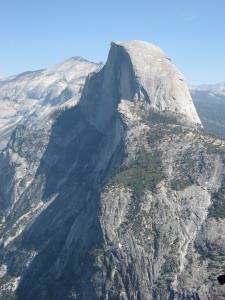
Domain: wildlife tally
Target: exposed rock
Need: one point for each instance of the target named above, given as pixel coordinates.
(141, 72)
(124, 199)
(39, 93)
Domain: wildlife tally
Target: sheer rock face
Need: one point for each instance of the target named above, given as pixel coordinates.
(120, 201)
(141, 72)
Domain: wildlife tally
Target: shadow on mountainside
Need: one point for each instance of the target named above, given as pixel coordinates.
(64, 234)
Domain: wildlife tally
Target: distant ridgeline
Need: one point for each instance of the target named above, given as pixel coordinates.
(210, 105)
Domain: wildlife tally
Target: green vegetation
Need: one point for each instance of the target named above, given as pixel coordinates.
(162, 118)
(215, 149)
(95, 251)
(217, 209)
(210, 251)
(5, 279)
(203, 253)
(144, 172)
(59, 112)
(163, 125)
(134, 218)
(155, 135)
(189, 166)
(103, 257)
(9, 295)
(171, 265)
(181, 183)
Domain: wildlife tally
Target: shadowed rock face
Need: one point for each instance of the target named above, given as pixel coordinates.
(124, 197)
(221, 279)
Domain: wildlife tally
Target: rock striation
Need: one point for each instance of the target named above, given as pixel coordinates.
(138, 72)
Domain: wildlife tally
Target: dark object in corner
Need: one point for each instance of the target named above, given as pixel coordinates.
(221, 279)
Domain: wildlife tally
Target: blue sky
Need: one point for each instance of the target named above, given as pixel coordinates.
(37, 34)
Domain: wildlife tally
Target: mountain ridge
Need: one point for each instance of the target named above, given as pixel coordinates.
(41, 92)
(216, 87)
(210, 104)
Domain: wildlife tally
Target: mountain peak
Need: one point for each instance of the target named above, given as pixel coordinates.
(138, 71)
(136, 47)
(77, 58)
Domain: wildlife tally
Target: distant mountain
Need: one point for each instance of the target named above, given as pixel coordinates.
(39, 93)
(216, 88)
(210, 103)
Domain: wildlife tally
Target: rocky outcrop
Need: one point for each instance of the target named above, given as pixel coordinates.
(124, 200)
(139, 72)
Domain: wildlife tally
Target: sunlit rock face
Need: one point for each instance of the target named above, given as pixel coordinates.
(139, 72)
(120, 197)
(34, 95)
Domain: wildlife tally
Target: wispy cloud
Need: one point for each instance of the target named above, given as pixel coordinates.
(190, 16)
